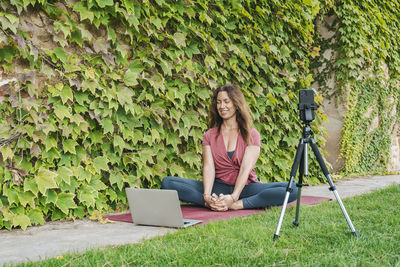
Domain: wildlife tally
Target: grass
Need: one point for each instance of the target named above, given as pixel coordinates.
(322, 239)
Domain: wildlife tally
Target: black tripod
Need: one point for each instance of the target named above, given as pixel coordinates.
(301, 159)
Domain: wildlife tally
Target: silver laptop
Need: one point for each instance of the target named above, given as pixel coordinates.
(157, 207)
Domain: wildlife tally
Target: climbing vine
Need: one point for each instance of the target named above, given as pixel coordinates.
(361, 55)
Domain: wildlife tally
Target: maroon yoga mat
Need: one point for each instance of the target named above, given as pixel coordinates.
(206, 215)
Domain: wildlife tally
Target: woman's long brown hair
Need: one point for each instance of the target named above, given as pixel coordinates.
(243, 115)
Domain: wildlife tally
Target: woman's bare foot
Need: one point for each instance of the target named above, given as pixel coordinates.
(237, 205)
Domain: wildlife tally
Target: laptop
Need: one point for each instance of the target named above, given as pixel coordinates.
(157, 207)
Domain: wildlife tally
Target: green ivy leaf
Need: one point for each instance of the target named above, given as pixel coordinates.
(180, 39)
(112, 195)
(45, 180)
(133, 21)
(12, 195)
(83, 11)
(50, 142)
(47, 71)
(104, 3)
(100, 163)
(60, 26)
(62, 112)
(137, 136)
(111, 35)
(100, 45)
(173, 139)
(31, 185)
(7, 53)
(36, 217)
(86, 195)
(76, 36)
(78, 119)
(203, 93)
(157, 22)
(204, 17)
(210, 62)
(91, 85)
(108, 126)
(66, 94)
(157, 81)
(8, 21)
(130, 78)
(146, 156)
(79, 212)
(191, 50)
(64, 174)
(97, 184)
(26, 198)
(51, 196)
(117, 178)
(21, 220)
(190, 119)
(6, 152)
(4, 130)
(190, 157)
(166, 67)
(69, 146)
(155, 135)
(60, 54)
(285, 51)
(176, 170)
(65, 202)
(119, 142)
(136, 66)
(124, 95)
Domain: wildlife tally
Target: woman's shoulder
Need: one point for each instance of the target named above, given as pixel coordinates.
(211, 131)
(255, 137)
(208, 135)
(254, 132)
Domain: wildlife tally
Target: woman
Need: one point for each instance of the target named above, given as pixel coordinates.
(230, 151)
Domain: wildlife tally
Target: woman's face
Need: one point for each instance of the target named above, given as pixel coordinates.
(225, 106)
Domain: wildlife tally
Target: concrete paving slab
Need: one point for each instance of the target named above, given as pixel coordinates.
(57, 238)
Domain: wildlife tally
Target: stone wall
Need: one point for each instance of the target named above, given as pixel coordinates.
(394, 163)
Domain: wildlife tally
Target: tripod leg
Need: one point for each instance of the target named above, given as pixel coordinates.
(302, 170)
(295, 166)
(332, 186)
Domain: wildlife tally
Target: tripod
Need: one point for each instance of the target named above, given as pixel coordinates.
(301, 159)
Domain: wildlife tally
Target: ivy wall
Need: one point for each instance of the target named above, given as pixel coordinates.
(109, 94)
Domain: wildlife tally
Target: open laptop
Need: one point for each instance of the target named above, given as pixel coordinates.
(157, 207)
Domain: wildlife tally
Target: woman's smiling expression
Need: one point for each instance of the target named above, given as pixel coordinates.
(225, 106)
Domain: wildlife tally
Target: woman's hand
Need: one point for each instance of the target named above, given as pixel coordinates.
(221, 202)
(207, 200)
(210, 201)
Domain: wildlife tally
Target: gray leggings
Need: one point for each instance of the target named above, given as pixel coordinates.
(254, 195)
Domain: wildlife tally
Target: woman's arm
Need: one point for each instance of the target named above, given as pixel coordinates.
(249, 160)
(208, 173)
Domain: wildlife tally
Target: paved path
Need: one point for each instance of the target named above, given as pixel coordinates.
(57, 238)
(349, 187)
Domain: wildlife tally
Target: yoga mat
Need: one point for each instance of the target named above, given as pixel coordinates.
(207, 215)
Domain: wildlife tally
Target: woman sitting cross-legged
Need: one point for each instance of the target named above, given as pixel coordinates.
(230, 150)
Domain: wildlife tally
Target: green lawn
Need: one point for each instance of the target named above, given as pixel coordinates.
(322, 239)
